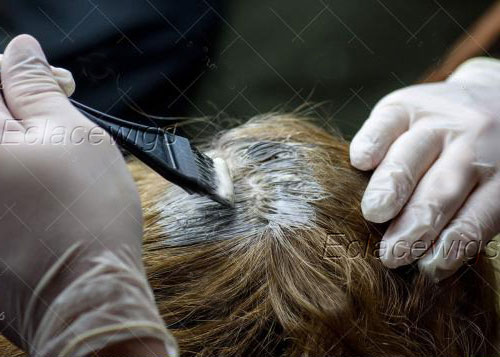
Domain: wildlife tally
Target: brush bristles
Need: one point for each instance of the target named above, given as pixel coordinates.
(225, 187)
(215, 178)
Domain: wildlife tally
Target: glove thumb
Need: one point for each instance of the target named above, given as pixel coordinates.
(30, 85)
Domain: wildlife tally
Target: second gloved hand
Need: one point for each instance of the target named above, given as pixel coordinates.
(435, 149)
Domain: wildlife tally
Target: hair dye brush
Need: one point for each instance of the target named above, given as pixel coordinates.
(171, 156)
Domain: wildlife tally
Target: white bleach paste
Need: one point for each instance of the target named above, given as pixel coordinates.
(274, 189)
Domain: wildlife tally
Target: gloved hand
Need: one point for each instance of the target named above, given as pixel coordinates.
(436, 150)
(71, 276)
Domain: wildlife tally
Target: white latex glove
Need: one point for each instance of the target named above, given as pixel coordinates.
(62, 76)
(71, 276)
(436, 150)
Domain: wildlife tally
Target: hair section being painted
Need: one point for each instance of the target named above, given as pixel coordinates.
(275, 188)
(275, 275)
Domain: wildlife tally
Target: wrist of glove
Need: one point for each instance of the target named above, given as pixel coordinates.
(479, 78)
(110, 302)
(479, 71)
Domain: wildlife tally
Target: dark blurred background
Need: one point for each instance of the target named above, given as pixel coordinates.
(240, 58)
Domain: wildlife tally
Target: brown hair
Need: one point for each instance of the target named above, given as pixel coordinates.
(292, 270)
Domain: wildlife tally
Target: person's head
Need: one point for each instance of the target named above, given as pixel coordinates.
(292, 269)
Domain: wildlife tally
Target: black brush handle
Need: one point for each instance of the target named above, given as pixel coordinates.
(169, 155)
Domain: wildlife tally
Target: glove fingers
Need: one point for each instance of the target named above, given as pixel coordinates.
(65, 80)
(437, 197)
(395, 178)
(30, 89)
(467, 234)
(385, 124)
